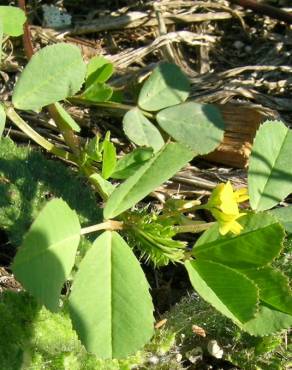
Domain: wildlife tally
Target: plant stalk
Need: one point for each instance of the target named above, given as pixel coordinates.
(36, 137)
(193, 228)
(69, 136)
(114, 105)
(108, 225)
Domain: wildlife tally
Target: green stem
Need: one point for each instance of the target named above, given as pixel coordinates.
(69, 136)
(31, 133)
(182, 210)
(107, 225)
(193, 228)
(194, 208)
(125, 107)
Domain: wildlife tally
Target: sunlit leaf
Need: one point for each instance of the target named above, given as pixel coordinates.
(99, 69)
(267, 321)
(13, 19)
(97, 92)
(274, 287)
(110, 304)
(109, 159)
(257, 245)
(53, 74)
(153, 173)
(93, 149)
(105, 188)
(65, 117)
(229, 291)
(270, 166)
(141, 131)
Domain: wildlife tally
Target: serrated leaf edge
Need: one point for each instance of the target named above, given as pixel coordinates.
(256, 310)
(252, 231)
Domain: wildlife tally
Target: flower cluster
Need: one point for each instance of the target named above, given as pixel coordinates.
(223, 204)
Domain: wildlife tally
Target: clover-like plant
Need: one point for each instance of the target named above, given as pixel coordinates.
(230, 265)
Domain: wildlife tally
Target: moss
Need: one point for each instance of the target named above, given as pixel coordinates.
(284, 261)
(17, 312)
(239, 347)
(28, 179)
(34, 338)
(37, 339)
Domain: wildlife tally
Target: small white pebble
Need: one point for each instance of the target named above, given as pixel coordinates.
(279, 46)
(282, 83)
(178, 357)
(214, 349)
(154, 360)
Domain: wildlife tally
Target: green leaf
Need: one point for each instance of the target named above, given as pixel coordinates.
(141, 131)
(105, 188)
(270, 166)
(93, 149)
(97, 92)
(284, 216)
(117, 96)
(274, 287)
(99, 69)
(229, 291)
(153, 173)
(250, 222)
(267, 321)
(166, 86)
(110, 304)
(45, 260)
(13, 19)
(131, 162)
(53, 73)
(199, 126)
(109, 159)
(2, 119)
(257, 245)
(66, 119)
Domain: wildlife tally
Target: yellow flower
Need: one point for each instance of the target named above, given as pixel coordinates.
(223, 198)
(223, 204)
(241, 195)
(227, 222)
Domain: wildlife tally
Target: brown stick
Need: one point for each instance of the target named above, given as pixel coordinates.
(28, 48)
(265, 9)
(130, 20)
